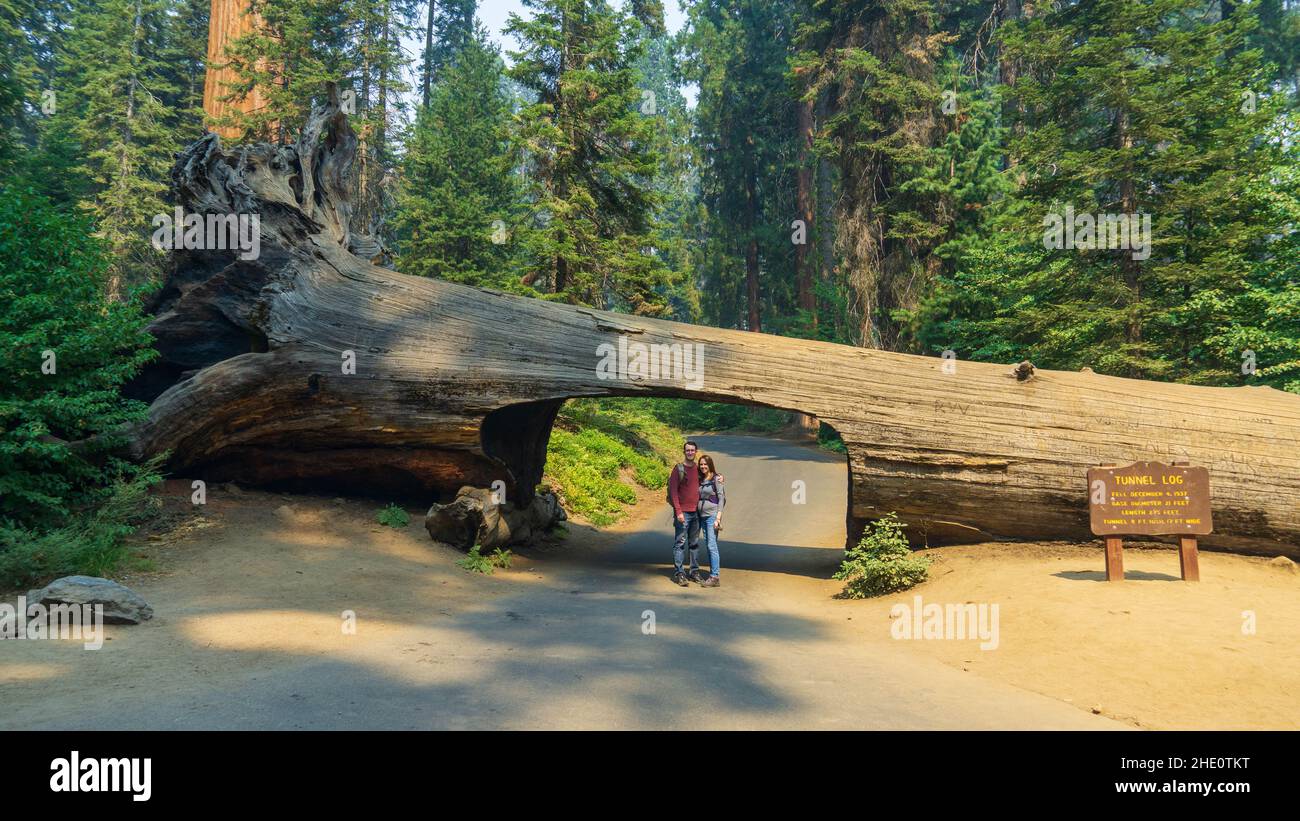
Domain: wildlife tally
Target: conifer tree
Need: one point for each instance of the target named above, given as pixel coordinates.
(590, 157)
(747, 148)
(449, 27)
(458, 207)
(113, 91)
(1149, 109)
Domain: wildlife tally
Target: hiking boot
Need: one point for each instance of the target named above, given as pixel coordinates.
(679, 579)
(696, 575)
(711, 581)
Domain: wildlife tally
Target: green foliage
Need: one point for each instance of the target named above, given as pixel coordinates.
(458, 204)
(829, 439)
(881, 64)
(690, 415)
(738, 50)
(393, 516)
(476, 562)
(452, 29)
(601, 449)
(881, 562)
(121, 107)
(676, 177)
(52, 280)
(1143, 109)
(591, 157)
(91, 542)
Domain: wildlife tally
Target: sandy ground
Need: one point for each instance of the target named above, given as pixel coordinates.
(249, 595)
(1152, 651)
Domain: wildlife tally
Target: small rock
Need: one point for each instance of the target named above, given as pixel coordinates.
(1096, 710)
(1284, 564)
(121, 604)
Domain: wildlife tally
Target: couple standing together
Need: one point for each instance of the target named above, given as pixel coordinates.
(697, 494)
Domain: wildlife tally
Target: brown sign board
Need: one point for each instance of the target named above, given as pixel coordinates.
(1149, 499)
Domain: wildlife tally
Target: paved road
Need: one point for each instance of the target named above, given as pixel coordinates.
(567, 648)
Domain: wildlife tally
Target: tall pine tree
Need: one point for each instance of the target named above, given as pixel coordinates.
(590, 156)
(458, 206)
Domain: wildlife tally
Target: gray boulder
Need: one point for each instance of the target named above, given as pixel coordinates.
(121, 604)
(471, 518)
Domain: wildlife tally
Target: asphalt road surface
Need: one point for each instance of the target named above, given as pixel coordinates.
(567, 643)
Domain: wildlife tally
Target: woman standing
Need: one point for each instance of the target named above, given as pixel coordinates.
(713, 497)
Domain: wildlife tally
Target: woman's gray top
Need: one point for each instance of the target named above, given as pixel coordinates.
(713, 495)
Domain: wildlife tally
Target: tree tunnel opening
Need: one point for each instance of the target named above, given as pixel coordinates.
(788, 482)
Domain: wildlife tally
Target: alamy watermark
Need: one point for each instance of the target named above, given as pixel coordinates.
(956, 622)
(637, 361)
(127, 775)
(1068, 230)
(82, 622)
(210, 232)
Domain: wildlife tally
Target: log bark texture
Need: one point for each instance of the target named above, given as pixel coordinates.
(459, 386)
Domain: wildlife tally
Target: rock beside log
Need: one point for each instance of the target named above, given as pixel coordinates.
(121, 604)
(472, 518)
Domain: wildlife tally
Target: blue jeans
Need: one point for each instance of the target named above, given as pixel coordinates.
(682, 532)
(711, 539)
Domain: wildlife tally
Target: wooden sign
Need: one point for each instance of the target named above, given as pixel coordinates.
(1150, 499)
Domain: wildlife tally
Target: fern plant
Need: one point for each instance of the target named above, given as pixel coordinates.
(476, 562)
(393, 516)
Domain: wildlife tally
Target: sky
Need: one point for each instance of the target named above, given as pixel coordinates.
(493, 14)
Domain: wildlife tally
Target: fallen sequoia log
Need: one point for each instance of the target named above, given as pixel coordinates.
(458, 386)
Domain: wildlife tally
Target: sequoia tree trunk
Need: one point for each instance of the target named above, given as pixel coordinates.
(454, 385)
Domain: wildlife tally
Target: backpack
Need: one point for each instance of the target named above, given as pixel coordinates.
(668, 493)
(715, 499)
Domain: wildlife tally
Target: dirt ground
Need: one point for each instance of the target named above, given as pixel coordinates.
(1153, 652)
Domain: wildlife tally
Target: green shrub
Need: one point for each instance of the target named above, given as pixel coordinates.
(53, 277)
(91, 543)
(881, 562)
(502, 558)
(392, 516)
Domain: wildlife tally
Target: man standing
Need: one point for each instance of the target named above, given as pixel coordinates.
(684, 495)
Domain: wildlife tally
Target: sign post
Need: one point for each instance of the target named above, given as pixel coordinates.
(1150, 499)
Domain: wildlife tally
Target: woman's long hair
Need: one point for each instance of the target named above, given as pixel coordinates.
(713, 469)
